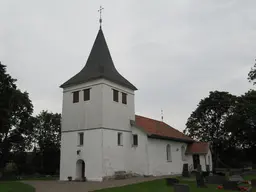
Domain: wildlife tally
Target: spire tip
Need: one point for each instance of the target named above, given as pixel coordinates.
(100, 10)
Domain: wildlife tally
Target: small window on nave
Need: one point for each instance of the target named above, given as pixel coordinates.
(135, 140)
(168, 153)
(120, 139)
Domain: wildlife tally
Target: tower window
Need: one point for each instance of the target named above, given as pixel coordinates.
(80, 138)
(115, 95)
(135, 140)
(120, 139)
(86, 94)
(76, 97)
(124, 98)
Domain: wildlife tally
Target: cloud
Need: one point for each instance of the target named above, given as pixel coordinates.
(175, 52)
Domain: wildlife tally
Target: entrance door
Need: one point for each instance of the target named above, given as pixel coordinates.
(196, 160)
(83, 169)
(80, 169)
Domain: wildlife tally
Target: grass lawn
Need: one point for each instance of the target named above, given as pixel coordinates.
(249, 177)
(14, 186)
(159, 185)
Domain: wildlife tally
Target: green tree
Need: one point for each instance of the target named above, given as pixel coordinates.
(15, 117)
(207, 122)
(243, 123)
(252, 74)
(47, 135)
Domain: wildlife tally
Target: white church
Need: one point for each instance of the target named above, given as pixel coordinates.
(101, 135)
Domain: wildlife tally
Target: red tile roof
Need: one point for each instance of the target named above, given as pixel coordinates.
(160, 129)
(198, 148)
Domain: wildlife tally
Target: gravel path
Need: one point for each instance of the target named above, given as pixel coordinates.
(65, 186)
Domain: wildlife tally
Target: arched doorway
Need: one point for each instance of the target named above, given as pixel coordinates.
(80, 169)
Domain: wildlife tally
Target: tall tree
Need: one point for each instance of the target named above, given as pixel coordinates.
(252, 74)
(207, 122)
(243, 123)
(47, 139)
(15, 112)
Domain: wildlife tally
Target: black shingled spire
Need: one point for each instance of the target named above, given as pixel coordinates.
(99, 65)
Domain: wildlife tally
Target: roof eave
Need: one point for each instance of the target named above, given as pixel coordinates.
(154, 136)
(65, 85)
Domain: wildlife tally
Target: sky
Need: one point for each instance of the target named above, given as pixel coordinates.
(175, 52)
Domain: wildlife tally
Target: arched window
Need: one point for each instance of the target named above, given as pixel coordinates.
(183, 153)
(168, 152)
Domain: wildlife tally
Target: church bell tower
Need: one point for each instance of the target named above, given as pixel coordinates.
(98, 104)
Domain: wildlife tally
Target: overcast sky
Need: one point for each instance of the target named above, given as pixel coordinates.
(174, 52)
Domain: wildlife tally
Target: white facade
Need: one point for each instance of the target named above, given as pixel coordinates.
(101, 119)
(83, 114)
(205, 159)
(91, 154)
(158, 163)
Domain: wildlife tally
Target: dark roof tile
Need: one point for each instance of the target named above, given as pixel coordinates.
(99, 65)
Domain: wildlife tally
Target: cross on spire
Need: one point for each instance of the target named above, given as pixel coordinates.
(162, 115)
(100, 10)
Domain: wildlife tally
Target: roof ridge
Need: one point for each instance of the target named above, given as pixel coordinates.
(150, 118)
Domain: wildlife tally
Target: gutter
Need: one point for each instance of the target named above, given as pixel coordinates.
(154, 136)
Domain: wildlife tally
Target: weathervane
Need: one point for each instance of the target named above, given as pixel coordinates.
(100, 10)
(162, 114)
